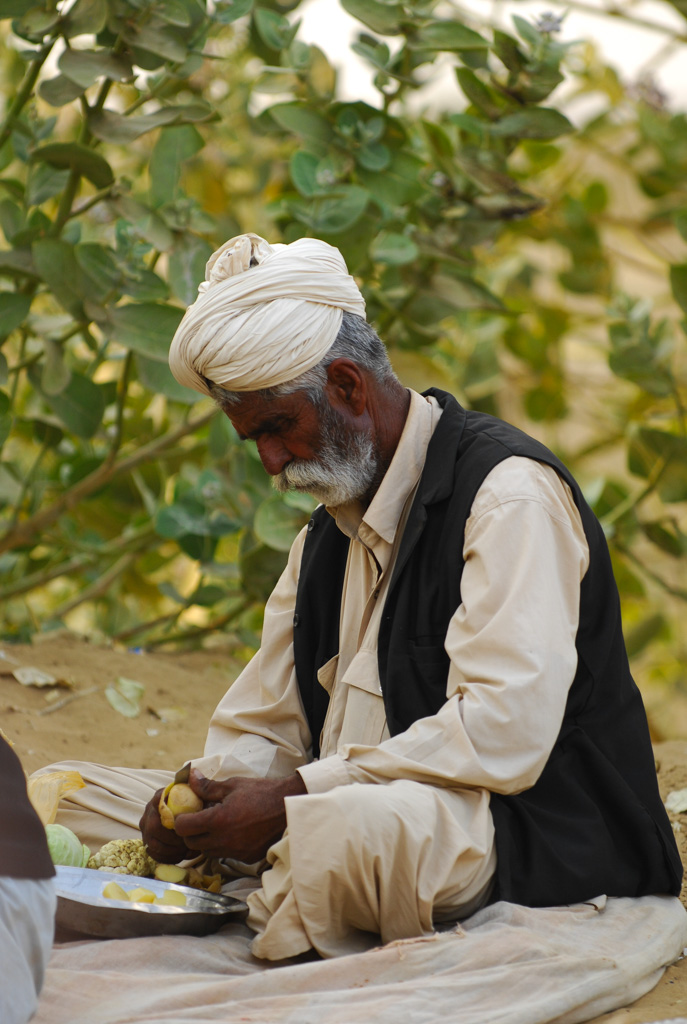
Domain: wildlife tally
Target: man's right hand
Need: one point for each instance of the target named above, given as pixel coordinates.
(163, 844)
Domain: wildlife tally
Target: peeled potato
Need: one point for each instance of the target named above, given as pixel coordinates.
(171, 898)
(113, 891)
(141, 895)
(178, 798)
(171, 873)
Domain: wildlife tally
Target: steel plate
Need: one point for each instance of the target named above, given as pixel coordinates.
(82, 908)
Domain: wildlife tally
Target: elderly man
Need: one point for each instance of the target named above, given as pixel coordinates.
(441, 713)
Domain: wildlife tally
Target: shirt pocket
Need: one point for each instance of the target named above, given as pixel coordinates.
(364, 719)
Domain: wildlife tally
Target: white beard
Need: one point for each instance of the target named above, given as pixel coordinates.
(343, 471)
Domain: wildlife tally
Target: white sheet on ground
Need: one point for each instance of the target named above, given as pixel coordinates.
(506, 964)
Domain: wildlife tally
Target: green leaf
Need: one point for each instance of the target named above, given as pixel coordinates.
(36, 23)
(534, 123)
(186, 267)
(175, 521)
(11, 218)
(647, 446)
(337, 212)
(159, 39)
(277, 525)
(678, 284)
(449, 35)
(15, 8)
(672, 541)
(303, 168)
(44, 183)
(143, 285)
(86, 66)
(508, 51)
(55, 374)
(227, 11)
(374, 157)
(275, 31)
(56, 263)
(681, 223)
(14, 309)
(383, 18)
(464, 292)
(174, 13)
(305, 122)
(400, 183)
(641, 635)
(75, 157)
(86, 17)
(157, 378)
(260, 568)
(79, 407)
(174, 146)
(146, 328)
(527, 31)
(59, 91)
(125, 696)
(99, 266)
(17, 263)
(392, 248)
(147, 223)
(111, 127)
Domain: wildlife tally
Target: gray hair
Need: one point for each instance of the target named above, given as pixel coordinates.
(356, 340)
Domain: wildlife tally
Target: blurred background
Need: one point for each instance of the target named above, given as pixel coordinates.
(506, 180)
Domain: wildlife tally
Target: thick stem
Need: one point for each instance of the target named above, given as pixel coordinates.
(24, 92)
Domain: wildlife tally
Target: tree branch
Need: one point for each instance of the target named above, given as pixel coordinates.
(24, 532)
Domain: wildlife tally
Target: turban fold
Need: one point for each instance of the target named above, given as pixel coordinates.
(265, 314)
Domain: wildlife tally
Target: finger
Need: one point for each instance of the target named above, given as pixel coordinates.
(196, 824)
(208, 790)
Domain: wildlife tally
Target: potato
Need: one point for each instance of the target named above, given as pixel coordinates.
(171, 898)
(171, 873)
(141, 895)
(177, 798)
(113, 891)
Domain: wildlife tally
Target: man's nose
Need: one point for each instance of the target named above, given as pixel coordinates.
(273, 454)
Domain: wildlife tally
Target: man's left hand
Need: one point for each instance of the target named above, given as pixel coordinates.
(242, 817)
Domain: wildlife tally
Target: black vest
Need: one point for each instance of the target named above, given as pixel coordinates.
(593, 822)
(23, 846)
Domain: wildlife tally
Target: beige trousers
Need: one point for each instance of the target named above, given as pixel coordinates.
(356, 865)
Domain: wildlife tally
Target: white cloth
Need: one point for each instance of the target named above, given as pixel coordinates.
(265, 314)
(506, 965)
(27, 916)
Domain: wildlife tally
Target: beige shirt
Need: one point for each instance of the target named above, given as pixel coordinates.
(511, 644)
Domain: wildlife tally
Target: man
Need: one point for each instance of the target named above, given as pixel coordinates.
(27, 895)
(441, 713)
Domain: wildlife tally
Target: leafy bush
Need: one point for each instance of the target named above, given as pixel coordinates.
(492, 242)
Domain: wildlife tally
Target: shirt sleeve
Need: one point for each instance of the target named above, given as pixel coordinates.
(511, 643)
(259, 728)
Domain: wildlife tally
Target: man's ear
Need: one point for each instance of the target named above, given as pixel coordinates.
(347, 386)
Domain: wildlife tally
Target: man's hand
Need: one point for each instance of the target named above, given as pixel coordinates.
(242, 817)
(163, 844)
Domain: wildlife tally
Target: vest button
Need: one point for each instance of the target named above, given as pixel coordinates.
(311, 526)
(296, 620)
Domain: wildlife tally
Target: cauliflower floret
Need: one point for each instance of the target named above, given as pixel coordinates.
(125, 857)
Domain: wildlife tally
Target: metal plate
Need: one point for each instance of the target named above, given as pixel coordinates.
(82, 908)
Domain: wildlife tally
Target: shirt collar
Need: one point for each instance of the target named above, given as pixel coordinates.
(384, 512)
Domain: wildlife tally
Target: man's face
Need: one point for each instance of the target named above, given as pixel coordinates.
(305, 448)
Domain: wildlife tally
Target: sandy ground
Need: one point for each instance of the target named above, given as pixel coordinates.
(74, 719)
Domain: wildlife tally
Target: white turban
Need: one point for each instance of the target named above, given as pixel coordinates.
(265, 314)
